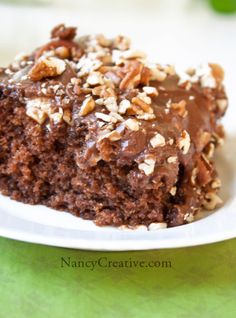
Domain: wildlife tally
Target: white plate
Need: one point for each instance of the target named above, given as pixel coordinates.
(178, 43)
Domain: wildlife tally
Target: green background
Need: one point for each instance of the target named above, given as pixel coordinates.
(200, 283)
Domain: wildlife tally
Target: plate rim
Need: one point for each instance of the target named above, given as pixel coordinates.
(114, 245)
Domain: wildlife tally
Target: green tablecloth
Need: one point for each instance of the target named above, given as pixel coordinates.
(186, 282)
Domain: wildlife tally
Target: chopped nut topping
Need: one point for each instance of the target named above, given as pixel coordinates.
(112, 136)
(180, 108)
(208, 81)
(117, 116)
(111, 104)
(95, 78)
(149, 90)
(169, 69)
(147, 166)
(158, 75)
(204, 74)
(57, 117)
(119, 56)
(204, 139)
(222, 104)
(87, 106)
(121, 43)
(157, 226)
(62, 52)
(67, 117)
(132, 124)
(146, 99)
(194, 176)
(209, 150)
(123, 106)
(173, 191)
(38, 109)
(103, 41)
(47, 67)
(87, 65)
(217, 72)
(218, 140)
(184, 142)
(131, 54)
(63, 33)
(216, 184)
(189, 217)
(145, 107)
(100, 101)
(75, 81)
(157, 141)
(146, 116)
(172, 159)
(212, 200)
(105, 117)
(133, 75)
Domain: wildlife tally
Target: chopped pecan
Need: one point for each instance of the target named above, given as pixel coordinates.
(62, 52)
(95, 78)
(146, 116)
(151, 91)
(103, 91)
(193, 177)
(111, 135)
(173, 191)
(87, 106)
(157, 74)
(146, 75)
(105, 117)
(212, 200)
(222, 104)
(217, 72)
(133, 54)
(204, 171)
(143, 105)
(62, 32)
(216, 183)
(132, 76)
(203, 140)
(111, 104)
(148, 165)
(47, 67)
(132, 124)
(157, 141)
(172, 159)
(103, 41)
(124, 106)
(184, 142)
(180, 108)
(72, 47)
(121, 43)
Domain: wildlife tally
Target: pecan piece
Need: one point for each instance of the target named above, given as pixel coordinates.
(132, 76)
(47, 67)
(62, 32)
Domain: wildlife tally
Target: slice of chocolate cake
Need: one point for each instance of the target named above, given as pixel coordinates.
(88, 126)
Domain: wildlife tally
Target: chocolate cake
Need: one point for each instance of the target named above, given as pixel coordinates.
(89, 126)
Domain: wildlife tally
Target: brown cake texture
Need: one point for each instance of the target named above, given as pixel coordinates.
(89, 126)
